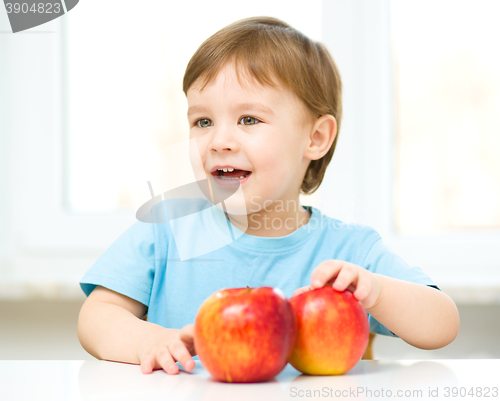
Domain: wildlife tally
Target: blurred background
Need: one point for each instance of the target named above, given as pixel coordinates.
(87, 98)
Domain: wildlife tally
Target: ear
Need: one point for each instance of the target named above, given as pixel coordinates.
(321, 138)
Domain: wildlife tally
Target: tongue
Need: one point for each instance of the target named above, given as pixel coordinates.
(235, 173)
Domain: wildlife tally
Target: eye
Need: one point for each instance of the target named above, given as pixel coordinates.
(247, 120)
(204, 123)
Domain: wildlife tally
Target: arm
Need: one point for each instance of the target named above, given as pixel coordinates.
(110, 328)
(422, 316)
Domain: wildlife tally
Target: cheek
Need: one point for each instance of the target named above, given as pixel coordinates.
(273, 170)
(276, 162)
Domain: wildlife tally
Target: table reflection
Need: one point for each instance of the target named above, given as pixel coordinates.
(119, 381)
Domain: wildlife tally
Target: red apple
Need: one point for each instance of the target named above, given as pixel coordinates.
(332, 331)
(245, 334)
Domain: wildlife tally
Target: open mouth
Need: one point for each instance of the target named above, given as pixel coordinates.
(231, 175)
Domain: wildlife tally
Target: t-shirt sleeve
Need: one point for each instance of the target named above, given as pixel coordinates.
(127, 266)
(382, 260)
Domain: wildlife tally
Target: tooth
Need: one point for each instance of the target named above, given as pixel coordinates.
(242, 177)
(230, 169)
(225, 170)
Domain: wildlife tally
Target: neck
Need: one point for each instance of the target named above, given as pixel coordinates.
(276, 220)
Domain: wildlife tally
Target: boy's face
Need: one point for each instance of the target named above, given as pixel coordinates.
(258, 129)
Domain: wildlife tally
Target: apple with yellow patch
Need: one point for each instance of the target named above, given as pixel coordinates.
(332, 331)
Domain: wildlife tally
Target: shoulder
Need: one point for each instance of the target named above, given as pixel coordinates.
(350, 241)
(353, 232)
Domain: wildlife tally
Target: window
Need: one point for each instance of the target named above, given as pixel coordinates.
(447, 101)
(367, 181)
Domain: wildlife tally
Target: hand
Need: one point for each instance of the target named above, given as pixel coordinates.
(342, 275)
(162, 351)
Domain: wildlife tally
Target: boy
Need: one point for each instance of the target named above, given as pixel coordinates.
(264, 109)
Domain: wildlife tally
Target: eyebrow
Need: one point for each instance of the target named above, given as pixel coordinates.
(242, 106)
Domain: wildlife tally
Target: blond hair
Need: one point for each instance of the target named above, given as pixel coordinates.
(267, 48)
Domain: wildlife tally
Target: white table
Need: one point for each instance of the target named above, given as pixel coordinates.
(101, 380)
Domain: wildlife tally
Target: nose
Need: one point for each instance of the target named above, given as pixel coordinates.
(223, 139)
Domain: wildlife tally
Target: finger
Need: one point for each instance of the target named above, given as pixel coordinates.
(324, 272)
(347, 275)
(363, 287)
(186, 334)
(181, 354)
(301, 290)
(187, 337)
(187, 330)
(166, 361)
(148, 364)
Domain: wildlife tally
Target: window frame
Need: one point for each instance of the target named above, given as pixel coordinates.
(360, 42)
(42, 253)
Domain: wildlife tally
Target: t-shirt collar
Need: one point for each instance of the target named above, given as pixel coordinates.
(243, 239)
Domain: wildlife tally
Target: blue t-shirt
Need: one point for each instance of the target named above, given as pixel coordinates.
(144, 263)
